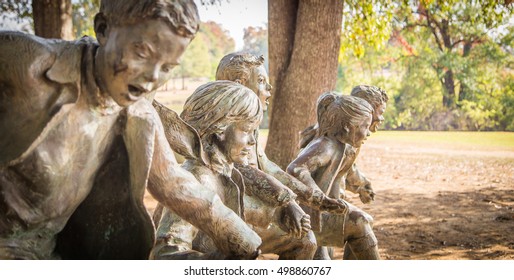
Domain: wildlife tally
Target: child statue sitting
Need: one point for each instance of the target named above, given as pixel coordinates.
(355, 180)
(343, 125)
(226, 115)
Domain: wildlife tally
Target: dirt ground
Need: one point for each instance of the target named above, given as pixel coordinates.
(452, 202)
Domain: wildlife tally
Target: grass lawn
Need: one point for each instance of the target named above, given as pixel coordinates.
(496, 140)
(456, 139)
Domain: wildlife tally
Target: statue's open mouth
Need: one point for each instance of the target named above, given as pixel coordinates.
(135, 90)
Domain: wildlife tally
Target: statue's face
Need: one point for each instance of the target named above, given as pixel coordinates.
(377, 117)
(259, 83)
(238, 140)
(137, 59)
(357, 134)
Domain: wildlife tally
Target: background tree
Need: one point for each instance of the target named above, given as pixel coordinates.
(255, 41)
(455, 65)
(455, 28)
(52, 19)
(218, 41)
(84, 12)
(304, 44)
(61, 19)
(19, 11)
(202, 56)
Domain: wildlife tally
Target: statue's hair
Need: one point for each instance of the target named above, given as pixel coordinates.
(238, 65)
(214, 106)
(181, 15)
(374, 95)
(337, 111)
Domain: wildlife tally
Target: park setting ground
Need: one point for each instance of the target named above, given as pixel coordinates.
(440, 195)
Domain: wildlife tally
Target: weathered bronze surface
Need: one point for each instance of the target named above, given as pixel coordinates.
(325, 162)
(77, 126)
(220, 111)
(355, 180)
(249, 70)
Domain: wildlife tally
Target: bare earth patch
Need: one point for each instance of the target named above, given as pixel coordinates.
(440, 202)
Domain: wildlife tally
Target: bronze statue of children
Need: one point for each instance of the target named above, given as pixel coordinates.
(355, 180)
(248, 70)
(71, 111)
(344, 123)
(226, 114)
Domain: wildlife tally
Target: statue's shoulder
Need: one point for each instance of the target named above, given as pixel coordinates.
(143, 111)
(39, 77)
(350, 151)
(201, 171)
(20, 38)
(57, 60)
(325, 148)
(322, 144)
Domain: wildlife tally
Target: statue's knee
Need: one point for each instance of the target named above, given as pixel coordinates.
(310, 241)
(361, 218)
(365, 248)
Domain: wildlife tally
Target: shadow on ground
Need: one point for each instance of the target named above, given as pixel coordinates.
(451, 225)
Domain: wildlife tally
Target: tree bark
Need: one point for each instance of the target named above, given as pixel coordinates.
(304, 43)
(449, 90)
(464, 89)
(53, 19)
(281, 30)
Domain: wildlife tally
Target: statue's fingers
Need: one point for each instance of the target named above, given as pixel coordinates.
(295, 230)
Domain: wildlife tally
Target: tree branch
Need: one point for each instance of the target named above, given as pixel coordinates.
(434, 32)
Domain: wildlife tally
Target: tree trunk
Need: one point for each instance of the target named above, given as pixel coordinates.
(449, 90)
(304, 42)
(281, 30)
(52, 19)
(464, 89)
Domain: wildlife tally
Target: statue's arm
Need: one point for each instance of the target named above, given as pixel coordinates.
(299, 178)
(271, 191)
(307, 162)
(265, 187)
(356, 182)
(306, 194)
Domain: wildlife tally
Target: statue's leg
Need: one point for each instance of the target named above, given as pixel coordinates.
(322, 253)
(174, 239)
(276, 241)
(359, 235)
(364, 248)
(157, 214)
(355, 230)
(348, 254)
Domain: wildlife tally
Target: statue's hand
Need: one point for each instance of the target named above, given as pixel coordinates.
(366, 194)
(295, 221)
(337, 206)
